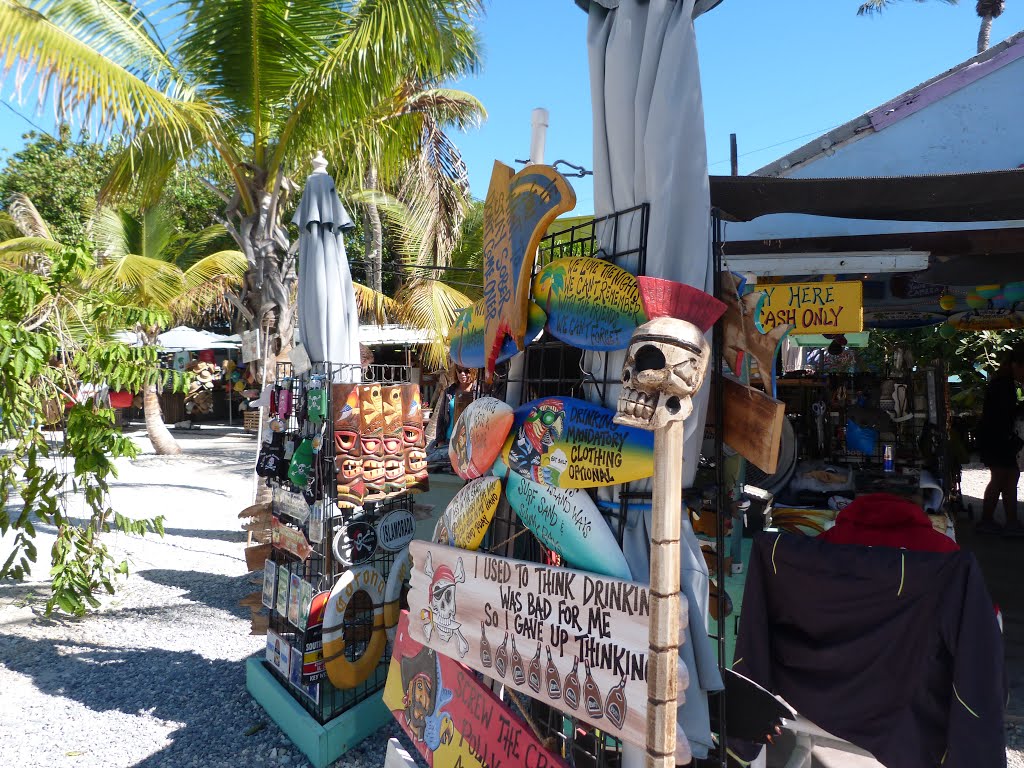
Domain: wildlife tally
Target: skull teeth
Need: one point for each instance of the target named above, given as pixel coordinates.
(638, 404)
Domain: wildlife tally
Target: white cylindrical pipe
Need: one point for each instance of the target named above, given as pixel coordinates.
(538, 134)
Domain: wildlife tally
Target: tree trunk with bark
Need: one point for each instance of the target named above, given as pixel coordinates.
(163, 443)
(375, 237)
(985, 33)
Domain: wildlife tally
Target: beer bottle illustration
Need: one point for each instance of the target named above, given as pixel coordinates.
(553, 678)
(572, 686)
(533, 679)
(518, 671)
(592, 695)
(501, 657)
(615, 705)
(485, 648)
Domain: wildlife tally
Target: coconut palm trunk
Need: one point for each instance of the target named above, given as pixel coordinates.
(374, 236)
(988, 10)
(163, 443)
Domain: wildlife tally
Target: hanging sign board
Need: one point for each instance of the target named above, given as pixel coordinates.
(396, 529)
(451, 717)
(987, 320)
(518, 209)
(812, 307)
(567, 521)
(570, 443)
(590, 303)
(290, 540)
(575, 640)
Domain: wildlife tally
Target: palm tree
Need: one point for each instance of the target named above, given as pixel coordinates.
(261, 85)
(158, 269)
(874, 6)
(988, 10)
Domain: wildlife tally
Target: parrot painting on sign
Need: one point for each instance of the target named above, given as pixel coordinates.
(518, 210)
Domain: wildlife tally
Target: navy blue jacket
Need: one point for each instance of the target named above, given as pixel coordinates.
(895, 651)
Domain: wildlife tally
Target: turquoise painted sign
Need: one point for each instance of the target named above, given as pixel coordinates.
(567, 521)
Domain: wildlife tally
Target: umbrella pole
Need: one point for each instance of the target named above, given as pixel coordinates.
(663, 636)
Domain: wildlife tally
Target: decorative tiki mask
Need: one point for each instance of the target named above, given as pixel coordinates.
(664, 367)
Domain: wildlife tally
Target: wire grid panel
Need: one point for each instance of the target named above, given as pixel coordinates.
(322, 568)
(547, 368)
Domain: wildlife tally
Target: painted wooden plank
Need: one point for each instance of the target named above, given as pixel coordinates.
(590, 303)
(753, 423)
(577, 641)
(836, 307)
(740, 335)
(570, 443)
(466, 337)
(478, 436)
(290, 540)
(517, 211)
(469, 513)
(567, 521)
(451, 717)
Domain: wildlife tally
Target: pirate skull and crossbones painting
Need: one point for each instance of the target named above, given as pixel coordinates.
(440, 616)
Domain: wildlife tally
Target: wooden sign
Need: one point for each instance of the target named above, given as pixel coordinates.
(590, 303)
(570, 443)
(451, 717)
(469, 514)
(567, 521)
(290, 540)
(987, 320)
(466, 337)
(396, 529)
(901, 318)
(753, 424)
(478, 435)
(740, 334)
(355, 543)
(811, 307)
(518, 209)
(574, 640)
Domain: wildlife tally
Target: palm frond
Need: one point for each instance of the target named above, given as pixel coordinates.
(432, 305)
(80, 77)
(190, 248)
(28, 220)
(140, 171)
(229, 266)
(876, 6)
(375, 307)
(150, 281)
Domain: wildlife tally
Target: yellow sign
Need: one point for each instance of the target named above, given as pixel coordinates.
(812, 307)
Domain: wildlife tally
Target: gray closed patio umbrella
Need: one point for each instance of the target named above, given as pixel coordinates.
(649, 147)
(328, 316)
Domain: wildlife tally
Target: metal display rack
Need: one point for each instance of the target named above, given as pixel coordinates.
(549, 367)
(321, 568)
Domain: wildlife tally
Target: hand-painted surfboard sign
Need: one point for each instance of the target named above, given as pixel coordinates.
(590, 303)
(901, 318)
(567, 521)
(290, 540)
(396, 529)
(466, 337)
(987, 320)
(451, 717)
(478, 435)
(575, 640)
(355, 543)
(518, 209)
(469, 514)
(570, 443)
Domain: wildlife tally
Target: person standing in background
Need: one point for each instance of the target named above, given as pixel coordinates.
(999, 445)
(446, 412)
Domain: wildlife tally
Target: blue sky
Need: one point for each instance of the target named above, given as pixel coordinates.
(772, 71)
(775, 72)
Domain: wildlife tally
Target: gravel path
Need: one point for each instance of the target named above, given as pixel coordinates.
(156, 679)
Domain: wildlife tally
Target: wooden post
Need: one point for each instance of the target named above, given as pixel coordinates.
(663, 689)
(734, 156)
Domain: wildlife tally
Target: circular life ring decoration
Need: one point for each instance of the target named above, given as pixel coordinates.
(342, 672)
(400, 571)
